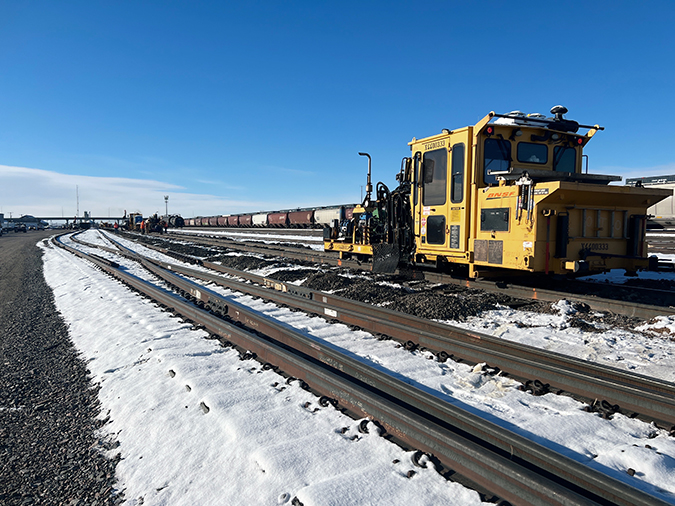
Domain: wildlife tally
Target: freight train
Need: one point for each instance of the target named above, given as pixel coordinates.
(506, 194)
(298, 218)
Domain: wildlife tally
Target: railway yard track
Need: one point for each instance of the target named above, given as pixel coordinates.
(475, 450)
(630, 300)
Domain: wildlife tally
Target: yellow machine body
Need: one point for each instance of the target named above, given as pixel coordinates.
(510, 193)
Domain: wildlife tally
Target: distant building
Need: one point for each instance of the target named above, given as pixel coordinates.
(663, 212)
(28, 220)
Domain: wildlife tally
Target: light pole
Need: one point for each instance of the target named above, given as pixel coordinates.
(166, 202)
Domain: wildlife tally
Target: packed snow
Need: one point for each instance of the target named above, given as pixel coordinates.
(197, 425)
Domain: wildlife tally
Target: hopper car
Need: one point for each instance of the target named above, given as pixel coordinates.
(297, 218)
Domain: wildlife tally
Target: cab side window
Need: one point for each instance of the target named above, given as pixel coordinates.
(497, 154)
(434, 177)
(564, 159)
(457, 181)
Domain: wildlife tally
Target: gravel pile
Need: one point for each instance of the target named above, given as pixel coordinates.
(49, 450)
(242, 262)
(447, 302)
(327, 282)
(292, 274)
(658, 284)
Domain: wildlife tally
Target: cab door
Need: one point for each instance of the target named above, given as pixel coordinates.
(459, 197)
(441, 200)
(433, 205)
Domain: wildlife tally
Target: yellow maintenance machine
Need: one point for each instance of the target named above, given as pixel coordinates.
(507, 193)
(133, 221)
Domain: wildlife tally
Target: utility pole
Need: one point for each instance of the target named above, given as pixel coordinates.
(166, 202)
(77, 194)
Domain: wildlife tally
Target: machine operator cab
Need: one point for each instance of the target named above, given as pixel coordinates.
(510, 193)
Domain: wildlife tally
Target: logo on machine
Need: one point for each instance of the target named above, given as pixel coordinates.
(499, 195)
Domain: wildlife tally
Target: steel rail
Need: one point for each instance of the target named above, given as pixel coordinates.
(514, 448)
(634, 309)
(652, 399)
(493, 472)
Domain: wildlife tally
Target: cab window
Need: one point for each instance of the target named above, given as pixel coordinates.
(457, 181)
(564, 159)
(497, 154)
(529, 152)
(434, 177)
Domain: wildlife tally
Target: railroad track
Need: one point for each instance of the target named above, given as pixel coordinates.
(608, 389)
(307, 232)
(625, 303)
(661, 241)
(503, 463)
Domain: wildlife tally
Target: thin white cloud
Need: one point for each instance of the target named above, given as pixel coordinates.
(112, 162)
(630, 172)
(47, 193)
(220, 183)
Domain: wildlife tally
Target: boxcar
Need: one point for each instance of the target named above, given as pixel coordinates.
(245, 220)
(213, 221)
(222, 221)
(233, 221)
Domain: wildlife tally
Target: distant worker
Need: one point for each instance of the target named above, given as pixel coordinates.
(116, 226)
(165, 226)
(143, 227)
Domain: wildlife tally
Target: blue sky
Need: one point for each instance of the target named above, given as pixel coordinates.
(244, 106)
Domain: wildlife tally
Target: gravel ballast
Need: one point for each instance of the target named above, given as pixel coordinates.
(50, 452)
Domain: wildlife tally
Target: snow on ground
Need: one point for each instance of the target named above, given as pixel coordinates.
(238, 394)
(648, 351)
(257, 444)
(618, 275)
